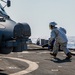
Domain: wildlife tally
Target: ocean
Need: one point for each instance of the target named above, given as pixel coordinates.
(71, 41)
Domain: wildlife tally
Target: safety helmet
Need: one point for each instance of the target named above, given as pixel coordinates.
(52, 24)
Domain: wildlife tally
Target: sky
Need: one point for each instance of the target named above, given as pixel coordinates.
(39, 13)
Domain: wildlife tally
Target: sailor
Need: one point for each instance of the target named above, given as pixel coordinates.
(59, 35)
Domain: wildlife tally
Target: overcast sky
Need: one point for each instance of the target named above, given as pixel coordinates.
(38, 14)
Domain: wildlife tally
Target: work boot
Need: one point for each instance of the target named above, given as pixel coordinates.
(53, 55)
(68, 55)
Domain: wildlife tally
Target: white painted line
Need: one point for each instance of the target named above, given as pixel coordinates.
(12, 68)
(54, 70)
(59, 66)
(25, 52)
(32, 66)
(28, 52)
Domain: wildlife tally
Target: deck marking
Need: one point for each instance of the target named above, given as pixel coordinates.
(32, 66)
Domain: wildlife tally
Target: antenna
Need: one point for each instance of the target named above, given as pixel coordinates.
(3, 14)
(8, 3)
